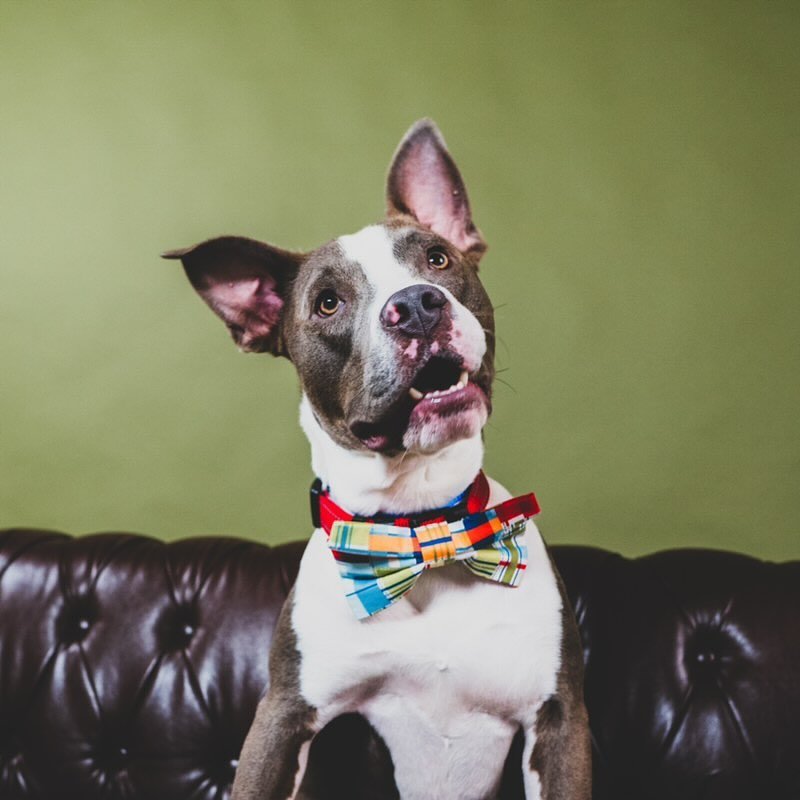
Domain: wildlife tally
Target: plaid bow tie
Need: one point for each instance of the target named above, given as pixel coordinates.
(380, 561)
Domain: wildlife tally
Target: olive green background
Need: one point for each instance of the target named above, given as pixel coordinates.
(633, 166)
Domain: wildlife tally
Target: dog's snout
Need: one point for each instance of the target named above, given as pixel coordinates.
(414, 311)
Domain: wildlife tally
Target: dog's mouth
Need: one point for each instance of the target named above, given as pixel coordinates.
(440, 376)
(442, 388)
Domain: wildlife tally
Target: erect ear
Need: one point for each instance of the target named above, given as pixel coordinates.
(425, 182)
(245, 284)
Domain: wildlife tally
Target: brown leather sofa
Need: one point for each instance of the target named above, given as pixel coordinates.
(130, 668)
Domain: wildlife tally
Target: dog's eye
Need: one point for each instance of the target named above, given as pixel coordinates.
(437, 258)
(328, 303)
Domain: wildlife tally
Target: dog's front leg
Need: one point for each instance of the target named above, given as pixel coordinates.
(557, 759)
(272, 761)
(273, 758)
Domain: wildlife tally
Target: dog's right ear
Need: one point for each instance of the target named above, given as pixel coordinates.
(245, 283)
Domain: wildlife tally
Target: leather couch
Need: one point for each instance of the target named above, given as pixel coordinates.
(131, 668)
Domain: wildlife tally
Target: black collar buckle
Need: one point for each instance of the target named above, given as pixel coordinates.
(313, 495)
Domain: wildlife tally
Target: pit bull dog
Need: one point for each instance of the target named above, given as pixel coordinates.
(426, 601)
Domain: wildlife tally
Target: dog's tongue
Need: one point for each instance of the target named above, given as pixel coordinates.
(377, 442)
(372, 436)
(386, 434)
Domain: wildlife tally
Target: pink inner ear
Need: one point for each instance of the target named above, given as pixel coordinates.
(250, 304)
(439, 218)
(435, 197)
(428, 201)
(436, 216)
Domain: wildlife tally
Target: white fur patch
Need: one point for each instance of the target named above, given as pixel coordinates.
(371, 249)
(366, 482)
(530, 777)
(302, 763)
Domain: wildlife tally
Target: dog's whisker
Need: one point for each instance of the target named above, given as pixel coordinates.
(506, 383)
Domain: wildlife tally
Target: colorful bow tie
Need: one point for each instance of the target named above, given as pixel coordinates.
(379, 561)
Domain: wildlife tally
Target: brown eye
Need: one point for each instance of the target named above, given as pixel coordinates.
(437, 258)
(327, 303)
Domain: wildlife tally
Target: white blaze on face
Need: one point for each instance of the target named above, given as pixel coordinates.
(372, 249)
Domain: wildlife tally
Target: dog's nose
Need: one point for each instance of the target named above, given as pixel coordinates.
(414, 311)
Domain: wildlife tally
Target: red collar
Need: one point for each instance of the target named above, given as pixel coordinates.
(324, 512)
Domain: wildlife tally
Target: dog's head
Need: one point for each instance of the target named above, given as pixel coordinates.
(390, 329)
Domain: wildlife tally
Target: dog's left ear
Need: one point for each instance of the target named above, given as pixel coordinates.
(425, 182)
(245, 283)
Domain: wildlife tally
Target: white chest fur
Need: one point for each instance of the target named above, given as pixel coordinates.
(446, 675)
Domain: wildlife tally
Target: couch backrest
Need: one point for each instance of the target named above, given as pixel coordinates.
(131, 668)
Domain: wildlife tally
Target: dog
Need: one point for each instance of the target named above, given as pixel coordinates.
(392, 336)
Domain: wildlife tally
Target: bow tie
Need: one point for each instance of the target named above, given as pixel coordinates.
(379, 559)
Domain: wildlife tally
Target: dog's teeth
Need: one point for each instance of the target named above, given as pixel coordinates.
(416, 394)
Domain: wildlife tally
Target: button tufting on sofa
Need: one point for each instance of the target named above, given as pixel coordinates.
(177, 627)
(111, 758)
(131, 668)
(709, 650)
(75, 619)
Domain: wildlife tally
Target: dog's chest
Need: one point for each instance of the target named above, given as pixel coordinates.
(447, 674)
(456, 643)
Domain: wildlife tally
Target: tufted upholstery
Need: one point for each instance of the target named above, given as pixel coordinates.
(130, 668)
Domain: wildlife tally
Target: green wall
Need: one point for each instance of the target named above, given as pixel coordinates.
(634, 168)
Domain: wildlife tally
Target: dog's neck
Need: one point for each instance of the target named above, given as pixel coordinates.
(366, 483)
